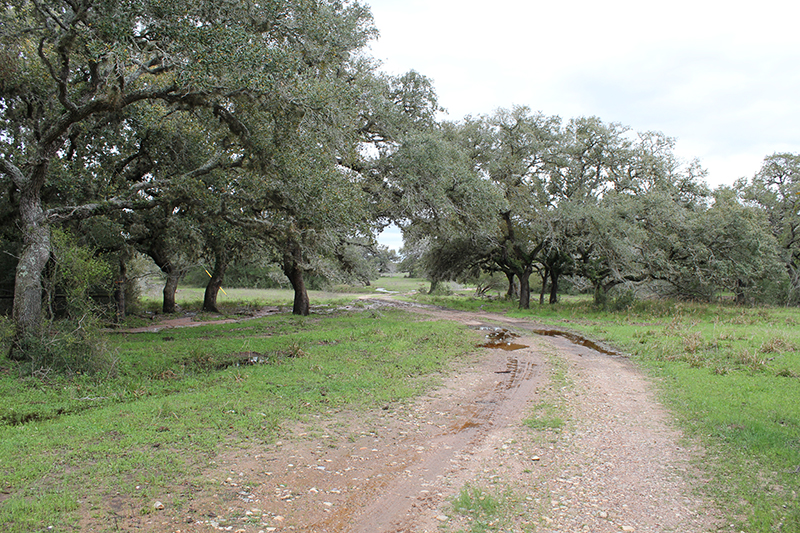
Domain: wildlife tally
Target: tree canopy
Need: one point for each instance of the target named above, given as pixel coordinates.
(140, 100)
(593, 203)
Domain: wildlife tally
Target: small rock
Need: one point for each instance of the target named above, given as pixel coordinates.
(535, 458)
(158, 506)
(442, 518)
(628, 528)
(602, 514)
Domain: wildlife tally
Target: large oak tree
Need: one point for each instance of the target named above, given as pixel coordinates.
(72, 68)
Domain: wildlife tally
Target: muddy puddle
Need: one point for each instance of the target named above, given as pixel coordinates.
(574, 338)
(501, 338)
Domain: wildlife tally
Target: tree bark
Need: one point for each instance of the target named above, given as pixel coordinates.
(433, 287)
(512, 287)
(215, 283)
(170, 288)
(27, 308)
(525, 289)
(293, 271)
(301, 305)
(120, 287)
(600, 296)
(554, 275)
(159, 253)
(210, 294)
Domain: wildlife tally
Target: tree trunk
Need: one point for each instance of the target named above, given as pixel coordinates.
(554, 275)
(210, 294)
(120, 287)
(302, 305)
(292, 270)
(433, 287)
(170, 288)
(214, 284)
(159, 253)
(27, 309)
(600, 296)
(738, 290)
(512, 287)
(524, 289)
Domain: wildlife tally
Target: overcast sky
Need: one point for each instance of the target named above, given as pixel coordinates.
(723, 78)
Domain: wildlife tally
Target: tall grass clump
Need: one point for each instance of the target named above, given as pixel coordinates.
(484, 510)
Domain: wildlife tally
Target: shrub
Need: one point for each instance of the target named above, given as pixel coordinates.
(67, 347)
(75, 274)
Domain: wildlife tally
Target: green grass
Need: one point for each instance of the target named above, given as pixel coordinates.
(484, 510)
(544, 417)
(242, 299)
(398, 283)
(731, 376)
(551, 412)
(172, 398)
(238, 301)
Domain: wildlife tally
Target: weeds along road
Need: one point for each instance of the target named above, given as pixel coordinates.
(552, 436)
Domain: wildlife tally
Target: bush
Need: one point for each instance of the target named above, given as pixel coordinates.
(75, 275)
(437, 289)
(66, 347)
(623, 301)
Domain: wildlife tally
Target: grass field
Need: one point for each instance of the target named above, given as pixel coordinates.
(166, 401)
(192, 297)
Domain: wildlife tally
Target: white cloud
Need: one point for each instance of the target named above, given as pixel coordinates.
(722, 80)
(391, 237)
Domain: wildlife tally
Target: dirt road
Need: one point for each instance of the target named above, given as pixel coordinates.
(568, 438)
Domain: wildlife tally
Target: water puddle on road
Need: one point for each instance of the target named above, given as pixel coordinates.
(500, 338)
(576, 339)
